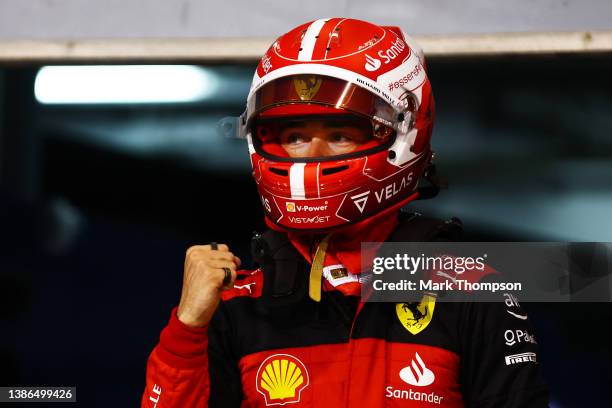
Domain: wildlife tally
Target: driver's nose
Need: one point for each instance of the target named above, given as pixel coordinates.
(318, 147)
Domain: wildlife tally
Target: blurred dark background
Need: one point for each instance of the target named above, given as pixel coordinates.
(98, 203)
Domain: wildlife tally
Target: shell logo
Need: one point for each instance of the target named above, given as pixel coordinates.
(281, 378)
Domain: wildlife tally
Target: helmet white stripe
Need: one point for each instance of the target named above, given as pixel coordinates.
(309, 40)
(296, 180)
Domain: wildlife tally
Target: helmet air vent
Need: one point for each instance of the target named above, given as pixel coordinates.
(334, 170)
(280, 172)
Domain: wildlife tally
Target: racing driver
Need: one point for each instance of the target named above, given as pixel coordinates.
(338, 124)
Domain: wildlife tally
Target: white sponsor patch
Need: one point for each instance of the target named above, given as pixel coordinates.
(417, 373)
(338, 275)
(521, 358)
(360, 200)
(317, 219)
(510, 300)
(408, 76)
(518, 316)
(513, 337)
(372, 64)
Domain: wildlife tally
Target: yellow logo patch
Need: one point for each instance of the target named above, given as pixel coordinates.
(338, 273)
(281, 378)
(416, 316)
(307, 86)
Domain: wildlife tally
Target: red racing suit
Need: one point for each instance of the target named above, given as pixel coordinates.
(260, 350)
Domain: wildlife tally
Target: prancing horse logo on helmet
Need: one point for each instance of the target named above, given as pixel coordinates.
(307, 86)
(416, 316)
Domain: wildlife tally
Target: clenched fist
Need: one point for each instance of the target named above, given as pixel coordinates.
(203, 282)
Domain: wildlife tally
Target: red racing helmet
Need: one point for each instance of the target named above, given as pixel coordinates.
(347, 68)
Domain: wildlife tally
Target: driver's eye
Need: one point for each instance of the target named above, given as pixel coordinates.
(340, 137)
(293, 138)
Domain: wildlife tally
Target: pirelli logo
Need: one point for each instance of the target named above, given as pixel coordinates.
(521, 358)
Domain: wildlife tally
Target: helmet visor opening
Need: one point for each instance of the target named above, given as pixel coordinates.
(319, 136)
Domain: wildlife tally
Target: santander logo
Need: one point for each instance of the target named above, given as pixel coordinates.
(372, 64)
(416, 373)
(388, 55)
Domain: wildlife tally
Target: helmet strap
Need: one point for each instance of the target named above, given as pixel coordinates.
(316, 270)
(435, 183)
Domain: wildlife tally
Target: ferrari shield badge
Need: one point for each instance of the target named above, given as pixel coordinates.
(307, 86)
(416, 316)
